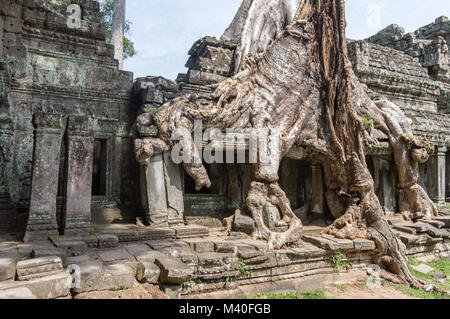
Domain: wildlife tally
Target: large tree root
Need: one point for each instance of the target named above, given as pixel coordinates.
(302, 85)
(259, 195)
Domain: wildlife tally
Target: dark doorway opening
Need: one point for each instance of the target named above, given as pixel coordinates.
(99, 168)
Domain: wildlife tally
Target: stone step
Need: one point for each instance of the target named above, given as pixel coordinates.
(324, 243)
(17, 293)
(49, 287)
(444, 219)
(38, 268)
(409, 239)
(97, 277)
(173, 271)
(8, 262)
(405, 229)
(434, 223)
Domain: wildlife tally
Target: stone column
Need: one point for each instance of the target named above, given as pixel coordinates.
(447, 176)
(49, 129)
(77, 207)
(436, 175)
(318, 190)
(383, 187)
(174, 189)
(153, 189)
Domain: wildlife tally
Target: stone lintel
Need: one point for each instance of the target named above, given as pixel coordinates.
(49, 123)
(81, 126)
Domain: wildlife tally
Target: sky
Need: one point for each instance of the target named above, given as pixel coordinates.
(163, 31)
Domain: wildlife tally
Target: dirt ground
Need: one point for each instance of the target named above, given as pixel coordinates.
(359, 291)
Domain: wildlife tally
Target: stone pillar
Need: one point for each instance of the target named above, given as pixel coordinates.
(80, 141)
(436, 176)
(318, 190)
(49, 129)
(447, 176)
(383, 187)
(153, 189)
(174, 189)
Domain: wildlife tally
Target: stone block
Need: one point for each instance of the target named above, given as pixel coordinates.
(43, 251)
(126, 235)
(189, 259)
(115, 254)
(364, 245)
(344, 244)
(107, 241)
(201, 245)
(8, 266)
(38, 268)
(173, 271)
(96, 277)
(405, 229)
(244, 224)
(170, 247)
(17, 293)
(71, 247)
(322, 242)
(147, 272)
(190, 231)
(409, 239)
(444, 219)
(49, 287)
(156, 233)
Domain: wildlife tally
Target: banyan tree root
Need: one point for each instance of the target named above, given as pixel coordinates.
(409, 152)
(259, 195)
(303, 85)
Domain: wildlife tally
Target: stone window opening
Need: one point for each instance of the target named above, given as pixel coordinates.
(99, 168)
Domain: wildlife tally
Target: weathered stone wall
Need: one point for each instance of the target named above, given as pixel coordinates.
(51, 65)
(429, 45)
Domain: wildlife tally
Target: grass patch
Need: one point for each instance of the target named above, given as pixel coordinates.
(440, 266)
(313, 294)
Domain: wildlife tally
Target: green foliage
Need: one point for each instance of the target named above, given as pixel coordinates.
(370, 122)
(337, 261)
(107, 9)
(243, 268)
(313, 294)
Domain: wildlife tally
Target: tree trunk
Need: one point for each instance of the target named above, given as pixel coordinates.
(117, 30)
(301, 86)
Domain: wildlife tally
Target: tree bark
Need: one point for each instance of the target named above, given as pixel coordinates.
(117, 30)
(302, 87)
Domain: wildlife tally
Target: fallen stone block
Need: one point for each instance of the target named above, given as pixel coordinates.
(201, 245)
(423, 268)
(38, 268)
(173, 271)
(147, 272)
(49, 287)
(17, 293)
(8, 263)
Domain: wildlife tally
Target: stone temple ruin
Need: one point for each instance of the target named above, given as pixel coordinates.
(77, 189)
